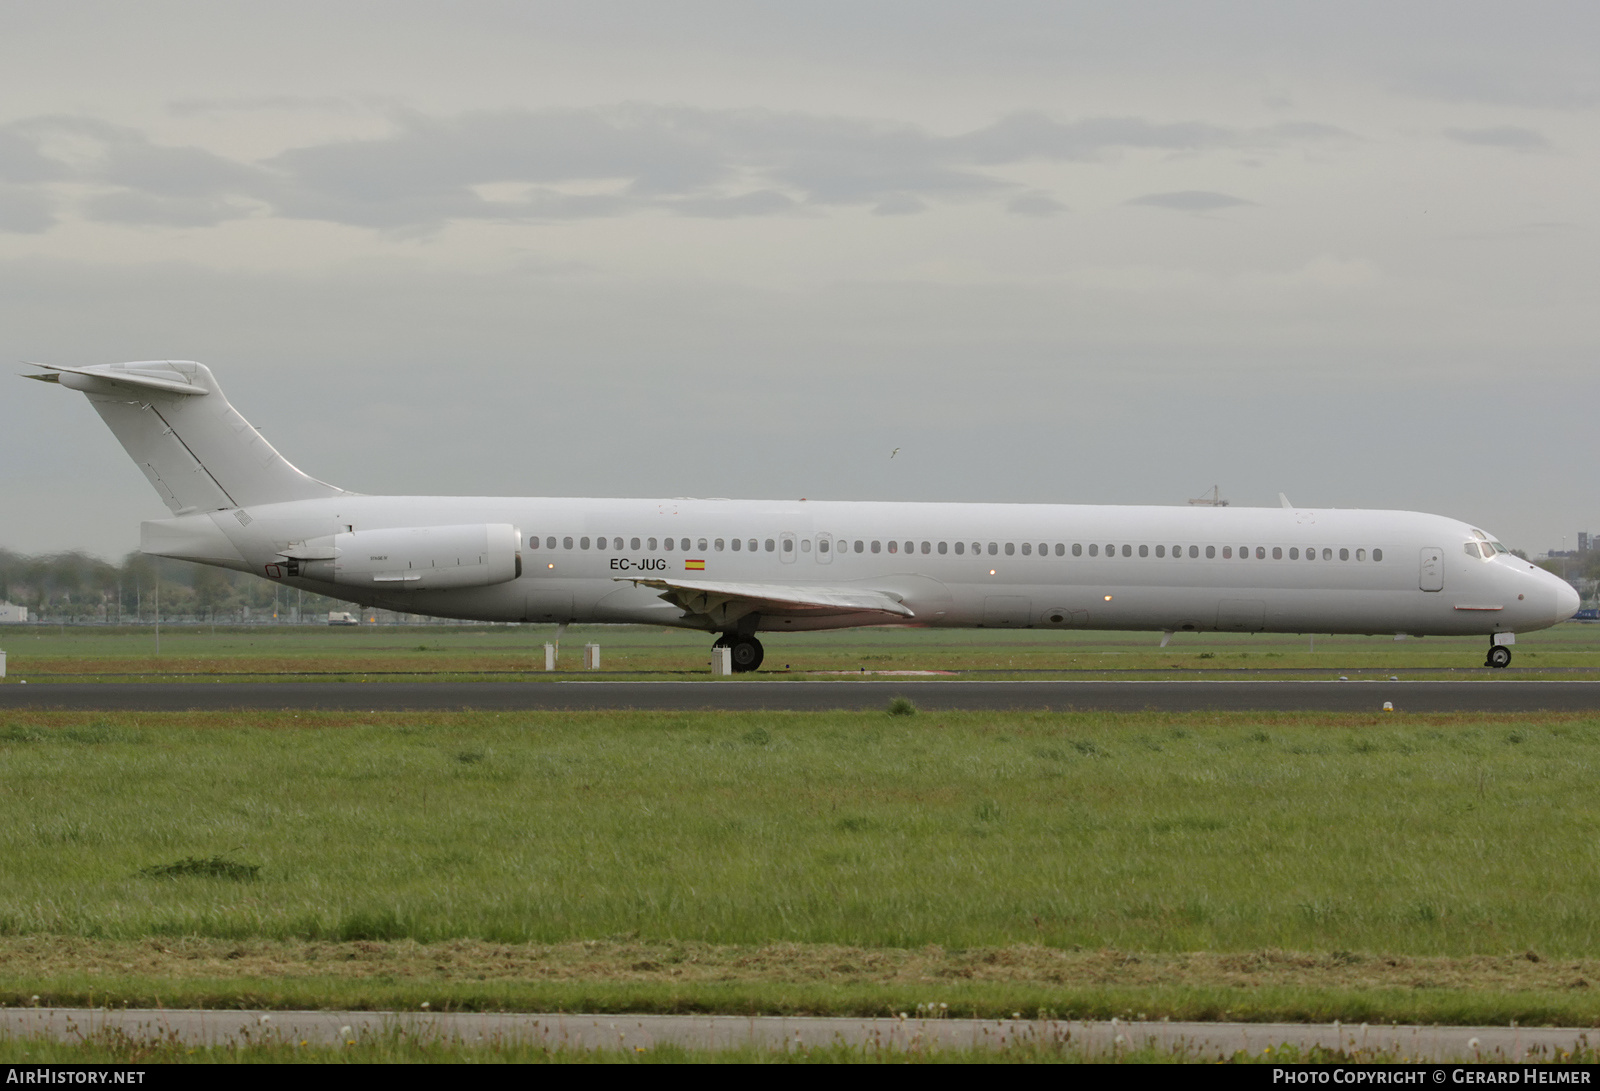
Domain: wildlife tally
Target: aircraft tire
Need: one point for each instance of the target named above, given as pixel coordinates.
(747, 653)
(1499, 657)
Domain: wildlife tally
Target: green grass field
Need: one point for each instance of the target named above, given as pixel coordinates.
(79, 653)
(1433, 867)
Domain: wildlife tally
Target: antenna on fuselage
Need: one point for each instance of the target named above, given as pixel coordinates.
(1215, 500)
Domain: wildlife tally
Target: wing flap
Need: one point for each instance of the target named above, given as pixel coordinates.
(725, 601)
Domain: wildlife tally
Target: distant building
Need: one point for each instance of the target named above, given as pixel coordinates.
(1583, 541)
(11, 615)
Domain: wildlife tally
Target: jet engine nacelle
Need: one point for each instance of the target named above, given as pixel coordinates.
(412, 558)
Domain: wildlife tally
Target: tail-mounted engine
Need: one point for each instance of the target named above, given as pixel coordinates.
(411, 558)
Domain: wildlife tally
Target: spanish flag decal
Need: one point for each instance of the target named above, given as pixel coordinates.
(694, 566)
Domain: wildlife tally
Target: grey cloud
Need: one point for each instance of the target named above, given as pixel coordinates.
(1034, 204)
(1191, 200)
(24, 211)
(159, 210)
(565, 164)
(21, 162)
(1514, 137)
(898, 204)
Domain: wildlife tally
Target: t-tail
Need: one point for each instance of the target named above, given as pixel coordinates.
(199, 453)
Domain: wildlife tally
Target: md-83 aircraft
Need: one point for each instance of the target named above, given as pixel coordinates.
(737, 568)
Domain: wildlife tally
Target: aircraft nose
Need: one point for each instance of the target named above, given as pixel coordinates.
(1566, 601)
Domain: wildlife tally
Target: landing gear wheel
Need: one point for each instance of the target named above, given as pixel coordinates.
(1499, 657)
(747, 652)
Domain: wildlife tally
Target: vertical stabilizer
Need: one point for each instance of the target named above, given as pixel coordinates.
(199, 453)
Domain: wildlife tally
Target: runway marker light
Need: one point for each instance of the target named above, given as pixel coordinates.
(1388, 706)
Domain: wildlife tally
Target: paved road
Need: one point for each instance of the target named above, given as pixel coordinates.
(736, 695)
(1205, 1041)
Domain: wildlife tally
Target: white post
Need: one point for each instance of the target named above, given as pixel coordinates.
(721, 660)
(2, 663)
(591, 657)
(549, 657)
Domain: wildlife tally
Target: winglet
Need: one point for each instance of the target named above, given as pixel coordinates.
(1284, 500)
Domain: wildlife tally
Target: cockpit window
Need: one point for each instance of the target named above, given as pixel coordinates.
(1498, 548)
(1480, 535)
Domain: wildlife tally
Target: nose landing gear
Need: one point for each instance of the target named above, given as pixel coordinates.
(1499, 656)
(747, 651)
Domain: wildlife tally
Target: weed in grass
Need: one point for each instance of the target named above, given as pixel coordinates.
(902, 706)
(756, 736)
(470, 757)
(210, 867)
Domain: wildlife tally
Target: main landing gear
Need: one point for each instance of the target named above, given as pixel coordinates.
(747, 651)
(1499, 656)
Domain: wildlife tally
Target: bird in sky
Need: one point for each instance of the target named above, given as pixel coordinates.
(894, 452)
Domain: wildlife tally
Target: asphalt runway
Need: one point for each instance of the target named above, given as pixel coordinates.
(1200, 1041)
(810, 696)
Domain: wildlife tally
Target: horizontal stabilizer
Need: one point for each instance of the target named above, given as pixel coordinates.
(726, 602)
(169, 383)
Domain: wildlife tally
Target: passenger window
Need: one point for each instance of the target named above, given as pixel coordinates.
(927, 547)
(549, 543)
(877, 547)
(738, 544)
(1011, 549)
(566, 543)
(1094, 549)
(1361, 554)
(1377, 554)
(583, 543)
(911, 547)
(788, 545)
(1077, 549)
(652, 544)
(1344, 554)
(894, 547)
(702, 545)
(719, 545)
(1161, 551)
(1061, 550)
(1027, 549)
(822, 545)
(1111, 551)
(633, 543)
(1227, 553)
(1044, 549)
(944, 548)
(860, 545)
(600, 543)
(771, 545)
(1144, 551)
(666, 543)
(533, 543)
(805, 545)
(751, 545)
(961, 547)
(1211, 551)
(1127, 551)
(683, 544)
(993, 549)
(1261, 553)
(1294, 553)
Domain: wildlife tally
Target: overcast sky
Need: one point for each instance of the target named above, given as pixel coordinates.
(1106, 253)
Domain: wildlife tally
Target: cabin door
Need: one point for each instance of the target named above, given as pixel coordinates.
(1430, 576)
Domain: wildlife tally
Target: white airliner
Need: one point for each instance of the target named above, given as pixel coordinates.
(739, 567)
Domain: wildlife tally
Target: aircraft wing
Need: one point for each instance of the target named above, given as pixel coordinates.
(726, 602)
